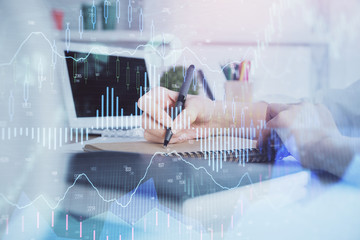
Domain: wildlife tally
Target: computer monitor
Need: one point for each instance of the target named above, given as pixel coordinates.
(103, 86)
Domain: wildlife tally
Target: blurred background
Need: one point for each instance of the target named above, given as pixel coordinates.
(294, 48)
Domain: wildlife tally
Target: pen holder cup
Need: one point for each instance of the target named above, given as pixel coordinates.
(238, 91)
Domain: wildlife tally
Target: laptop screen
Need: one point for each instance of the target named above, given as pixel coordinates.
(104, 85)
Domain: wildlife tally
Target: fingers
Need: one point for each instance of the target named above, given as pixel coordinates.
(274, 109)
(156, 128)
(155, 131)
(154, 138)
(179, 137)
(281, 124)
(197, 110)
(266, 134)
(263, 137)
(157, 95)
(278, 118)
(186, 118)
(158, 135)
(157, 104)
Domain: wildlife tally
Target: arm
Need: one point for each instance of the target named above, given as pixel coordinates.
(335, 155)
(228, 114)
(310, 134)
(202, 112)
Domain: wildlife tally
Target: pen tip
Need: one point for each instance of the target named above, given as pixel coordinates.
(166, 143)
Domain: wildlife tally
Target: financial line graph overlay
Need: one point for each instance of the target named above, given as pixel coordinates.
(215, 143)
(128, 52)
(276, 10)
(114, 200)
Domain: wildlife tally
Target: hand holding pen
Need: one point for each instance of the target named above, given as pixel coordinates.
(156, 119)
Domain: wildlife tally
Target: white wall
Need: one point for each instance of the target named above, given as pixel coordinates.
(332, 24)
(344, 39)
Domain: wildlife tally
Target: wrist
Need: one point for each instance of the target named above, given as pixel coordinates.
(337, 153)
(218, 117)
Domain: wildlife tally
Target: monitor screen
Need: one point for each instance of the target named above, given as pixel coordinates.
(104, 85)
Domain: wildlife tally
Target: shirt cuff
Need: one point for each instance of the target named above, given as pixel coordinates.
(352, 174)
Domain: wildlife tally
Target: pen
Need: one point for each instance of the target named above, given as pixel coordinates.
(242, 72)
(180, 103)
(206, 85)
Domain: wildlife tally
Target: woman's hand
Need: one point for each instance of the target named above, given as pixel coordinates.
(157, 104)
(310, 134)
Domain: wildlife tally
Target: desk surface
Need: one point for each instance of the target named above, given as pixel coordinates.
(300, 206)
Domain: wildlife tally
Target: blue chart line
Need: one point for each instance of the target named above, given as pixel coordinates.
(132, 194)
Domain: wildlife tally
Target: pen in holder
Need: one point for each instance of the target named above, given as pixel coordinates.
(238, 86)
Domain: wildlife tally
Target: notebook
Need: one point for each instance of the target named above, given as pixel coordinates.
(193, 149)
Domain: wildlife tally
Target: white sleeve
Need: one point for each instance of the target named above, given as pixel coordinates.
(352, 174)
(344, 105)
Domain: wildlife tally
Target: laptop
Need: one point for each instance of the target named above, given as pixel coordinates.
(103, 85)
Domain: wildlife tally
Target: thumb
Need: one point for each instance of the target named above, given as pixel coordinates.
(141, 102)
(274, 109)
(156, 94)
